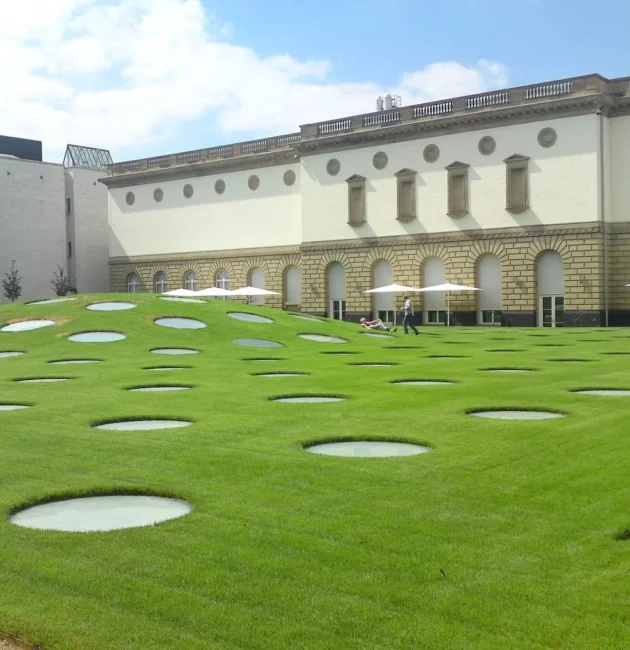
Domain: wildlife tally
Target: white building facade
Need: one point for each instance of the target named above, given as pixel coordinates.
(52, 216)
(521, 192)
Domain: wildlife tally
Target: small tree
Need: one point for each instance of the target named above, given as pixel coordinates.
(61, 283)
(11, 284)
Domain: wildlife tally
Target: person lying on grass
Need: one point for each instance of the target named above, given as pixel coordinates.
(376, 324)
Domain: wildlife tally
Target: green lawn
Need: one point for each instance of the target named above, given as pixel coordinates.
(504, 536)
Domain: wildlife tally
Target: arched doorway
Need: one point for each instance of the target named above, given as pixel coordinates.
(336, 290)
(489, 298)
(382, 276)
(550, 288)
(292, 287)
(257, 279)
(434, 301)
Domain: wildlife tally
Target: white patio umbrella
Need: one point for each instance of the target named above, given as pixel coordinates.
(448, 287)
(393, 288)
(214, 292)
(252, 291)
(181, 293)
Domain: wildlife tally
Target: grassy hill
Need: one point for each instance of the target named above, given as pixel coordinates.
(503, 536)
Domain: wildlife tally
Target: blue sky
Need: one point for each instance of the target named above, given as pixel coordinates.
(145, 77)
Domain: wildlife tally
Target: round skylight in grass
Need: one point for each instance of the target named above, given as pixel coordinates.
(507, 370)
(622, 353)
(28, 325)
(308, 318)
(322, 338)
(280, 374)
(100, 513)
(162, 368)
(373, 364)
(604, 392)
(13, 407)
(69, 362)
(422, 382)
(249, 318)
(174, 351)
(157, 389)
(96, 337)
(445, 356)
(143, 425)
(175, 299)
(257, 343)
(373, 335)
(340, 352)
(308, 399)
(181, 323)
(505, 350)
(42, 380)
(264, 359)
(404, 347)
(52, 301)
(367, 449)
(515, 414)
(9, 354)
(111, 306)
(570, 360)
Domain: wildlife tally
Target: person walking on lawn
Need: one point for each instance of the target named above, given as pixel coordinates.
(408, 315)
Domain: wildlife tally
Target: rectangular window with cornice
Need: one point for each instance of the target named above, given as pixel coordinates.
(517, 183)
(457, 189)
(406, 179)
(356, 200)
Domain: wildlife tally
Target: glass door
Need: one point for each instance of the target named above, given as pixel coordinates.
(337, 309)
(552, 311)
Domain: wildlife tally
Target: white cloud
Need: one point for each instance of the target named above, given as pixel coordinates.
(120, 73)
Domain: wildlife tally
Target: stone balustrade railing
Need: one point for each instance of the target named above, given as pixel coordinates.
(577, 86)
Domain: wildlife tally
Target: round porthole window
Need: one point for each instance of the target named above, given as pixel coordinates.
(188, 191)
(130, 198)
(487, 145)
(431, 153)
(333, 167)
(158, 195)
(380, 160)
(254, 182)
(219, 186)
(547, 137)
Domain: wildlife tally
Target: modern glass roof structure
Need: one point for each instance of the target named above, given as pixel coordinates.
(87, 157)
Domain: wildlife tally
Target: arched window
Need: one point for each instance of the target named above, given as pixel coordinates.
(292, 286)
(223, 280)
(161, 282)
(382, 276)
(336, 289)
(133, 283)
(434, 304)
(190, 281)
(489, 281)
(257, 279)
(550, 288)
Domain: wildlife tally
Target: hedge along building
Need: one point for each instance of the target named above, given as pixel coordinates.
(521, 192)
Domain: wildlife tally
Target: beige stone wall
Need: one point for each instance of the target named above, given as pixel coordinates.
(581, 248)
(619, 265)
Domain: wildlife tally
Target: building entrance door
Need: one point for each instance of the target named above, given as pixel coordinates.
(337, 309)
(551, 311)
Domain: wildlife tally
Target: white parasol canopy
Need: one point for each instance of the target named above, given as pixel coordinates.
(392, 288)
(253, 291)
(181, 293)
(447, 288)
(214, 292)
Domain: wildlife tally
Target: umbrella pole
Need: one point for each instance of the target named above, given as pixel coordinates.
(448, 309)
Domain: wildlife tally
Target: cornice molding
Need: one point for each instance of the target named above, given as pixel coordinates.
(197, 255)
(209, 168)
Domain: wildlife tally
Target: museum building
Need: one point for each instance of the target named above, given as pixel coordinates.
(522, 192)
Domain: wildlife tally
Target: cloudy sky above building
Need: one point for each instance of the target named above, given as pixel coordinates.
(144, 77)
